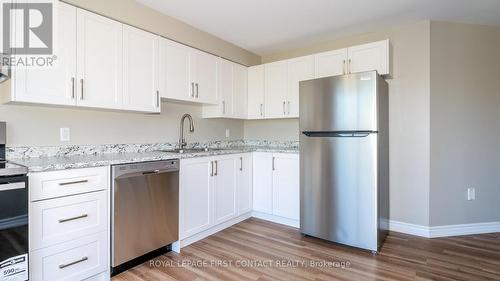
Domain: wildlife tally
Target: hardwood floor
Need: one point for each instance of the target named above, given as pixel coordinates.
(281, 253)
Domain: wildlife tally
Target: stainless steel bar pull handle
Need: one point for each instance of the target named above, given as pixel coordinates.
(62, 266)
(216, 168)
(223, 107)
(350, 66)
(73, 182)
(73, 87)
(157, 98)
(12, 186)
(284, 108)
(192, 89)
(73, 218)
(81, 89)
(273, 163)
(197, 90)
(344, 67)
(241, 163)
(289, 108)
(211, 168)
(261, 110)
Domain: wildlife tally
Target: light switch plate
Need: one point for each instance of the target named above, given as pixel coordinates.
(64, 134)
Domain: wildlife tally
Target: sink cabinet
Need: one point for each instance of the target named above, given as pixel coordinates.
(213, 191)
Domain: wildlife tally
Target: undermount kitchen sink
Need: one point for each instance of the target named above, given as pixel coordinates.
(190, 150)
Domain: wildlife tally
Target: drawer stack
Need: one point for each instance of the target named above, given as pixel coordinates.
(69, 225)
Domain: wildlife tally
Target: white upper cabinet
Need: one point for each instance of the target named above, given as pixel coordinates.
(99, 61)
(299, 69)
(231, 92)
(175, 80)
(275, 89)
(55, 85)
(331, 63)
(224, 108)
(204, 69)
(371, 56)
(240, 87)
(255, 92)
(140, 59)
(187, 74)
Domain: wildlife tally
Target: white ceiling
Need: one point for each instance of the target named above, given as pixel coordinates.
(269, 26)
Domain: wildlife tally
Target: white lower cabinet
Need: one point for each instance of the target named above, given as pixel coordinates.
(213, 191)
(195, 193)
(286, 186)
(244, 192)
(276, 187)
(78, 259)
(69, 225)
(262, 182)
(224, 186)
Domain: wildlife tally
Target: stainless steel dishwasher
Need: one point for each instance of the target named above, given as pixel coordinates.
(145, 218)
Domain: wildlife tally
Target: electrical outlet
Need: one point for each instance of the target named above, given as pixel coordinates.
(471, 194)
(64, 134)
(227, 133)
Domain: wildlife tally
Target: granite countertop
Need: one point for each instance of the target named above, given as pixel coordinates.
(41, 164)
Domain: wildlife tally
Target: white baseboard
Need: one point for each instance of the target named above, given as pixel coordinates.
(408, 228)
(190, 240)
(464, 229)
(444, 230)
(276, 219)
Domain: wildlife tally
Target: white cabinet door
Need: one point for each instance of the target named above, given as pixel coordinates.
(244, 183)
(225, 188)
(140, 59)
(204, 69)
(330, 63)
(240, 76)
(286, 185)
(175, 80)
(77, 259)
(371, 56)
(256, 92)
(195, 203)
(299, 69)
(225, 88)
(99, 61)
(56, 84)
(275, 89)
(262, 183)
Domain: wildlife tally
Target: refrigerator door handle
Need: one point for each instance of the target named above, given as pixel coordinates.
(339, 134)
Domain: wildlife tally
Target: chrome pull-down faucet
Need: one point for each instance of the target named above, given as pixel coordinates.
(182, 141)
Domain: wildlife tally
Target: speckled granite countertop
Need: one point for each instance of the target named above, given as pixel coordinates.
(41, 164)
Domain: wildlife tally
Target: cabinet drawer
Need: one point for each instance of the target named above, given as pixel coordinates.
(64, 219)
(54, 184)
(76, 260)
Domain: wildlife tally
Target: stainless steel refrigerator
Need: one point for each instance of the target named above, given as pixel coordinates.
(344, 159)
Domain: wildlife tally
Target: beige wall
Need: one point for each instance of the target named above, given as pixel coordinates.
(409, 116)
(465, 123)
(39, 126)
(136, 14)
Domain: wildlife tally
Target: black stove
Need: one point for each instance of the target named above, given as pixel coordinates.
(13, 217)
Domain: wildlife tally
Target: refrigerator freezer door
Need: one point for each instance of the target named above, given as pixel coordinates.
(339, 103)
(339, 190)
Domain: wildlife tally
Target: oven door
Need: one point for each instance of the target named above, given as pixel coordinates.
(14, 228)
